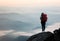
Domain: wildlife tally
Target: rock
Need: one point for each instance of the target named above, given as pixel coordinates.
(57, 35)
(51, 38)
(40, 37)
(46, 36)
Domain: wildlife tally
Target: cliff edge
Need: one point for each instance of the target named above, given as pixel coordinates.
(46, 36)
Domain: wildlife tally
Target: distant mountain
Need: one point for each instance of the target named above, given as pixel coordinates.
(11, 16)
(22, 38)
(10, 38)
(6, 38)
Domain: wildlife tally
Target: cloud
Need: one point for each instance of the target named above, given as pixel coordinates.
(5, 32)
(19, 35)
(50, 28)
(22, 34)
(53, 27)
(14, 33)
(14, 21)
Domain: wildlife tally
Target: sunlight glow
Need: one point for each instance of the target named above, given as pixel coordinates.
(29, 3)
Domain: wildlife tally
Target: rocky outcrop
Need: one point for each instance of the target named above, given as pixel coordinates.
(40, 37)
(57, 35)
(46, 36)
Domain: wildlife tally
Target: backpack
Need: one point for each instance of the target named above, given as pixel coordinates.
(44, 18)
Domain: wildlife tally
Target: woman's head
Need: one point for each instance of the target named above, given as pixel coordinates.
(42, 13)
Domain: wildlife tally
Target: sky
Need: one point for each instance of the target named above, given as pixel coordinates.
(29, 3)
(29, 6)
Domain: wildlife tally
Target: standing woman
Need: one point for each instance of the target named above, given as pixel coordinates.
(43, 19)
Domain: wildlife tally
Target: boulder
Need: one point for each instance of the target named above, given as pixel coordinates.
(41, 36)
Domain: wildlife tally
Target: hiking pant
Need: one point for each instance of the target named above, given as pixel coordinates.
(43, 25)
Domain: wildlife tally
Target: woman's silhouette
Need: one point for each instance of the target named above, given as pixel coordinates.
(43, 19)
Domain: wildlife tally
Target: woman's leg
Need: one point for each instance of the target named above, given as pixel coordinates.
(43, 26)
